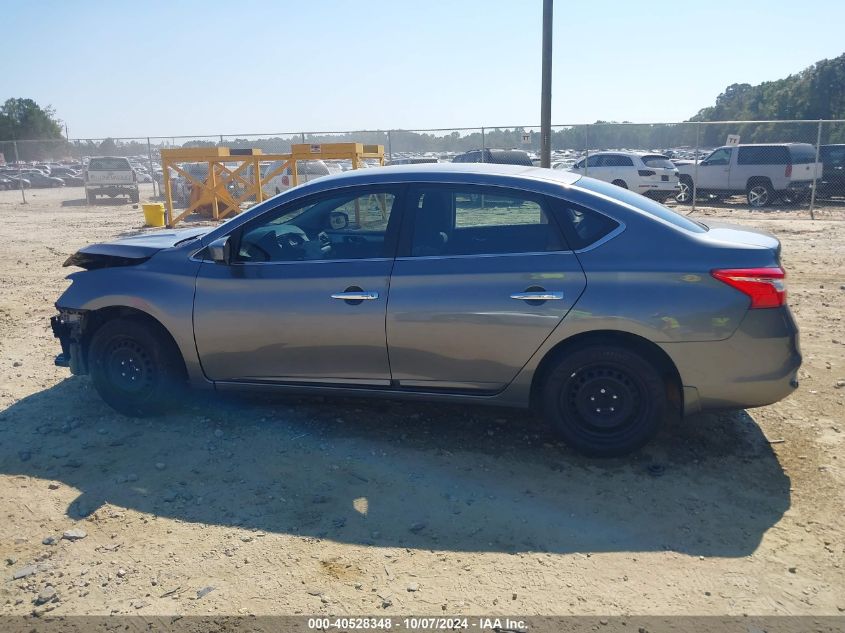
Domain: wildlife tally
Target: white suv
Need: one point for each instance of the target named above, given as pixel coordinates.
(652, 175)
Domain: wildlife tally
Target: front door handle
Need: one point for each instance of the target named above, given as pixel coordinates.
(538, 296)
(355, 296)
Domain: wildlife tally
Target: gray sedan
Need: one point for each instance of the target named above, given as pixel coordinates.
(490, 284)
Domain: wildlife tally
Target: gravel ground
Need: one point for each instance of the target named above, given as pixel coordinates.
(303, 506)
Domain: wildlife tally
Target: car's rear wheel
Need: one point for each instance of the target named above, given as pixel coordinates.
(135, 367)
(685, 190)
(91, 198)
(604, 400)
(134, 197)
(760, 194)
(620, 183)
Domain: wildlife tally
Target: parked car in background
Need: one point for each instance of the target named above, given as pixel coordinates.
(72, 180)
(763, 172)
(39, 180)
(832, 157)
(18, 182)
(306, 171)
(495, 156)
(487, 284)
(143, 176)
(653, 175)
(110, 176)
(6, 183)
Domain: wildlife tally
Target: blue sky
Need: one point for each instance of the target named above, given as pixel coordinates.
(168, 68)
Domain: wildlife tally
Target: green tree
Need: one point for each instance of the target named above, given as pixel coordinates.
(25, 119)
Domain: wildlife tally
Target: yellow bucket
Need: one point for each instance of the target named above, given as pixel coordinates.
(153, 214)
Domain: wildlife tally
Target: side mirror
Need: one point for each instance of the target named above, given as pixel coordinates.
(338, 220)
(220, 251)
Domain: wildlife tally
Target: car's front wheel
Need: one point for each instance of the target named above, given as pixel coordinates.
(135, 367)
(620, 183)
(604, 400)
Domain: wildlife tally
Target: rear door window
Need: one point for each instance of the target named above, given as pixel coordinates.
(453, 221)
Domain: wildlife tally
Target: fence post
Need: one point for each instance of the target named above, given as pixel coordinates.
(302, 136)
(483, 145)
(389, 147)
(586, 147)
(20, 173)
(695, 168)
(152, 171)
(815, 172)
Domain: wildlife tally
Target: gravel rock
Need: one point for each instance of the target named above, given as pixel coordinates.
(49, 540)
(204, 591)
(418, 527)
(218, 433)
(414, 586)
(160, 465)
(48, 594)
(23, 572)
(75, 534)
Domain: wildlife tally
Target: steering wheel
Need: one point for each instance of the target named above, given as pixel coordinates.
(291, 244)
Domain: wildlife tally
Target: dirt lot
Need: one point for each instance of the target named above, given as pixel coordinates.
(289, 506)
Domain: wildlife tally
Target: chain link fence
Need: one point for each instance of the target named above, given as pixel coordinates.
(741, 164)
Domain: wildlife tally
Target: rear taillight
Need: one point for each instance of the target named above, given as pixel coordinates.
(645, 172)
(764, 286)
(788, 171)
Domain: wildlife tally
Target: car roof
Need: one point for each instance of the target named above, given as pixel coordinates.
(441, 172)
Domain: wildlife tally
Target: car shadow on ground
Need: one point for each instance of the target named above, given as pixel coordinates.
(396, 474)
(99, 202)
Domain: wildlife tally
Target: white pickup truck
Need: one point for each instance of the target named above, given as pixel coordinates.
(762, 172)
(110, 176)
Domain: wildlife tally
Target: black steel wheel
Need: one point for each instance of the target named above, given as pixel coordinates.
(135, 367)
(604, 400)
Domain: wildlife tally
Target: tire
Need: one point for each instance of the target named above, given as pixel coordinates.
(601, 376)
(135, 367)
(620, 183)
(135, 197)
(92, 199)
(684, 195)
(759, 194)
(793, 198)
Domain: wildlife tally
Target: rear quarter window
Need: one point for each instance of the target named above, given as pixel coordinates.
(763, 155)
(647, 205)
(802, 155)
(108, 164)
(582, 227)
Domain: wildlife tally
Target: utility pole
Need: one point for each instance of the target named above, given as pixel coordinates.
(546, 91)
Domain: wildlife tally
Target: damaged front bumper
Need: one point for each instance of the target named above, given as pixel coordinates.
(68, 326)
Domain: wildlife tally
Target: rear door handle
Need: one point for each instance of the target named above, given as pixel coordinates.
(537, 296)
(355, 296)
